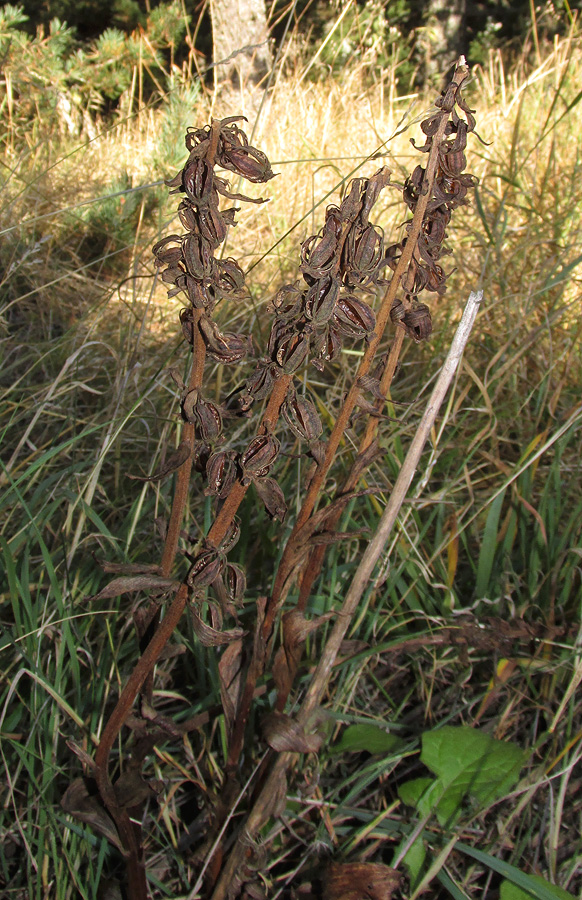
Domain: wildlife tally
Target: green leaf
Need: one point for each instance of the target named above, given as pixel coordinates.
(372, 738)
(511, 891)
(538, 887)
(473, 761)
(467, 763)
(488, 547)
(414, 861)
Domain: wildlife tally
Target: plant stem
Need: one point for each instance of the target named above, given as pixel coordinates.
(319, 682)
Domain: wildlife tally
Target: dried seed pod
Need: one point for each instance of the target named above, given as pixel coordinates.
(289, 303)
(321, 298)
(226, 348)
(221, 473)
(272, 496)
(247, 161)
(231, 537)
(364, 251)
(353, 317)
(207, 566)
(261, 381)
(187, 323)
(235, 582)
(327, 344)
(290, 347)
(302, 418)
(200, 455)
(230, 278)
(259, 456)
(166, 254)
(318, 252)
(397, 312)
(198, 256)
(202, 413)
(198, 182)
(418, 322)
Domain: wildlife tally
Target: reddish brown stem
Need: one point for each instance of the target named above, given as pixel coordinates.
(318, 480)
(237, 492)
(185, 470)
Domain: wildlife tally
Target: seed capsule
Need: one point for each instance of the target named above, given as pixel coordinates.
(202, 413)
(302, 418)
(235, 582)
(272, 496)
(259, 456)
(206, 567)
(221, 473)
(321, 298)
(353, 317)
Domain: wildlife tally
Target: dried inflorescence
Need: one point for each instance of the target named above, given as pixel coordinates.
(449, 191)
(346, 256)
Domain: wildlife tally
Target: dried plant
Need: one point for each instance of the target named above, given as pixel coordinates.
(342, 266)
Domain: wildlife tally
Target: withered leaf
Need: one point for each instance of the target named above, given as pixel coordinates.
(324, 538)
(275, 805)
(213, 637)
(360, 881)
(229, 672)
(112, 568)
(173, 462)
(272, 496)
(281, 732)
(129, 584)
(87, 760)
(131, 790)
(295, 629)
(87, 808)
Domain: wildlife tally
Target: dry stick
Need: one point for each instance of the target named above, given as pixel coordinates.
(317, 688)
(318, 480)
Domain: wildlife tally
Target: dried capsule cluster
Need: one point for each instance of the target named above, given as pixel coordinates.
(449, 191)
(189, 264)
(346, 256)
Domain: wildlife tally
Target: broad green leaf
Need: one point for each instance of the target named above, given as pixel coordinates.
(472, 761)
(511, 891)
(368, 737)
(467, 763)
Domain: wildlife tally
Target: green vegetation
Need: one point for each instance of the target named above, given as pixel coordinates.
(468, 637)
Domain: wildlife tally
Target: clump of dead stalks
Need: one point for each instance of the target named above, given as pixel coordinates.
(343, 268)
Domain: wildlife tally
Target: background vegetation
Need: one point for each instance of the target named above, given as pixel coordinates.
(476, 618)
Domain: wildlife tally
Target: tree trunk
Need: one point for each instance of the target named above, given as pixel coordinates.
(242, 56)
(444, 36)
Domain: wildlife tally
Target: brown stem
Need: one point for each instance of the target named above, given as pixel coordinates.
(318, 685)
(237, 492)
(185, 470)
(318, 480)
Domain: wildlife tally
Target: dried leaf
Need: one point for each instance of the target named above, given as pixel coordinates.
(213, 637)
(131, 583)
(112, 568)
(360, 881)
(281, 732)
(229, 672)
(272, 496)
(131, 790)
(87, 808)
(87, 760)
(295, 629)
